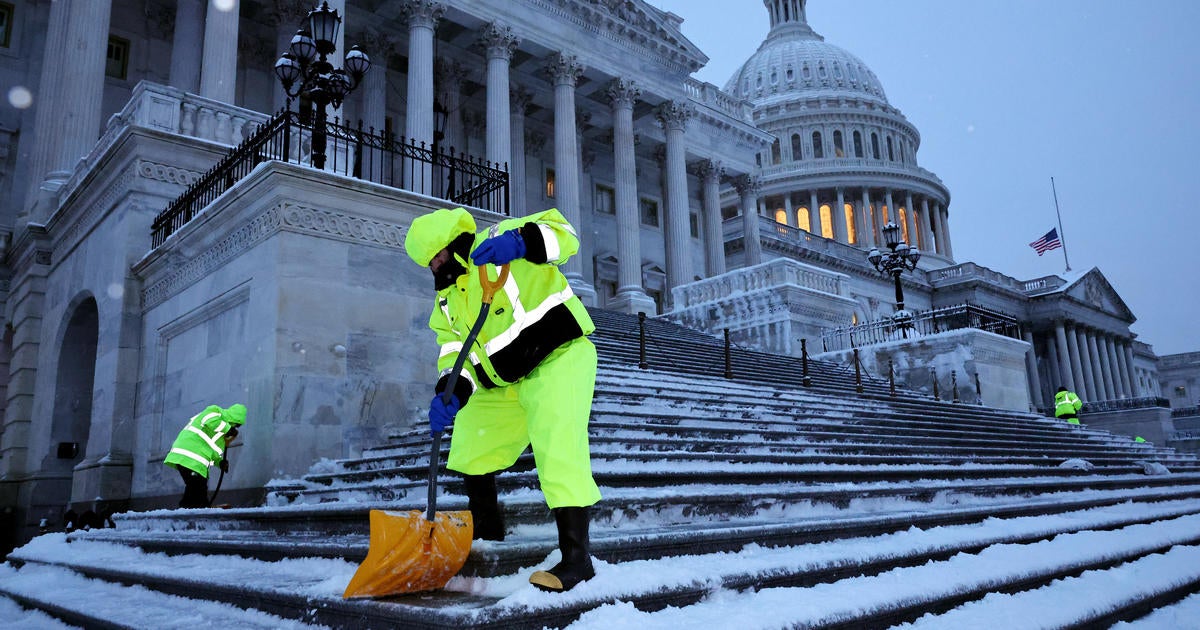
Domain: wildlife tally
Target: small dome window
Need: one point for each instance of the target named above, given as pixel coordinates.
(853, 74)
(821, 70)
(745, 86)
(791, 74)
(774, 77)
(806, 72)
(837, 71)
(758, 82)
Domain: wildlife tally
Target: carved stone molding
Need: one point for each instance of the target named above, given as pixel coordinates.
(449, 73)
(343, 226)
(379, 46)
(290, 12)
(674, 114)
(747, 185)
(499, 41)
(622, 93)
(534, 141)
(424, 13)
(160, 20)
(563, 69)
(519, 98)
(710, 170)
(166, 173)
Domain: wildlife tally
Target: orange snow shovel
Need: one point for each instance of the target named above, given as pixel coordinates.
(409, 552)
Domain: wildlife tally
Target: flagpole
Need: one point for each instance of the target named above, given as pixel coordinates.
(1061, 236)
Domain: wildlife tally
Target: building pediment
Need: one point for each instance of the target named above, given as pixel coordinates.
(638, 23)
(1093, 288)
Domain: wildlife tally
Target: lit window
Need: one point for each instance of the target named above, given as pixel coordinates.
(851, 232)
(826, 221)
(117, 59)
(6, 20)
(902, 213)
(781, 216)
(802, 219)
(605, 200)
(649, 212)
(883, 211)
(549, 183)
(818, 149)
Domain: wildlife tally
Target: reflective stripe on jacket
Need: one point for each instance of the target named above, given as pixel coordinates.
(532, 315)
(1066, 404)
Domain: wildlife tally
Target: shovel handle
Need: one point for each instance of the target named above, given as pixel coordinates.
(489, 291)
(489, 287)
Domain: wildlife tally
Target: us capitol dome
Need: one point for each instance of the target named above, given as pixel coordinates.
(844, 162)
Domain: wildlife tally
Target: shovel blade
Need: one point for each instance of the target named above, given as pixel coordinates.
(410, 554)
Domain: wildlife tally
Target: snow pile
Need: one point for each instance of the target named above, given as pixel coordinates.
(1077, 464)
(1153, 468)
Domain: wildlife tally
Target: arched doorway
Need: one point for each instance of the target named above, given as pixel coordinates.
(72, 411)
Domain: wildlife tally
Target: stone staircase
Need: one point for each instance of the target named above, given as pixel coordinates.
(691, 464)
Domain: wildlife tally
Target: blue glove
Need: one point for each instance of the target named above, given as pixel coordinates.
(441, 414)
(500, 250)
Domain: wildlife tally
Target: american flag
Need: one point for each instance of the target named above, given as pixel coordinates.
(1048, 242)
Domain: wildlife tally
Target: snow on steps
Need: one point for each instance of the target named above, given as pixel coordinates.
(862, 582)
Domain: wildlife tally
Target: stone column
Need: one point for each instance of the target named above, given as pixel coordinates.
(868, 221)
(375, 85)
(449, 75)
(1123, 367)
(1065, 359)
(1133, 379)
(893, 216)
(747, 187)
(1106, 369)
(518, 107)
(499, 42)
(841, 230)
(1081, 386)
(1085, 364)
(944, 215)
(49, 109)
(674, 116)
(422, 16)
(1035, 383)
(631, 296)
(814, 213)
(564, 71)
(910, 219)
(714, 232)
(1114, 370)
(926, 235)
(877, 222)
(1103, 384)
(218, 72)
(1052, 367)
(187, 45)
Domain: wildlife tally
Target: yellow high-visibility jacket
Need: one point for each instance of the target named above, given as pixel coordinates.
(1066, 404)
(532, 315)
(201, 443)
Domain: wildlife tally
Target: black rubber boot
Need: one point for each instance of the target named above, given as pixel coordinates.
(576, 565)
(484, 506)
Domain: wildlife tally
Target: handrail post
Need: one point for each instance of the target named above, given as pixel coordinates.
(978, 389)
(728, 364)
(954, 384)
(933, 376)
(858, 386)
(806, 381)
(891, 379)
(642, 341)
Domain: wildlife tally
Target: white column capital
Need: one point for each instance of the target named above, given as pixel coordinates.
(622, 92)
(423, 13)
(564, 69)
(674, 115)
(499, 41)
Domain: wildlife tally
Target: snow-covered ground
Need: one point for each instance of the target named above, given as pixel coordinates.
(1050, 606)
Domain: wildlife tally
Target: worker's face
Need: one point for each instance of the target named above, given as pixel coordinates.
(439, 260)
(446, 269)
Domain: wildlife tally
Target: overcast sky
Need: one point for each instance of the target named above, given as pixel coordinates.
(1100, 94)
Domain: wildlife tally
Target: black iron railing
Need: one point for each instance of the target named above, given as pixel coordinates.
(1121, 404)
(1185, 412)
(921, 324)
(384, 159)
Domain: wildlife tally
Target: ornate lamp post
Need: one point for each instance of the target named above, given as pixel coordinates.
(899, 259)
(305, 68)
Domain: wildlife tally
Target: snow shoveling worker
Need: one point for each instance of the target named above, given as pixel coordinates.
(1067, 405)
(200, 444)
(530, 376)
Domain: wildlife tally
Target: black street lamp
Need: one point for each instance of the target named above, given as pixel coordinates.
(305, 67)
(899, 259)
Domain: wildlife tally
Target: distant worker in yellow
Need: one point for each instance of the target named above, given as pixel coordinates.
(200, 444)
(1067, 405)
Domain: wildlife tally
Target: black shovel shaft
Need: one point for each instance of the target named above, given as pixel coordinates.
(214, 494)
(436, 447)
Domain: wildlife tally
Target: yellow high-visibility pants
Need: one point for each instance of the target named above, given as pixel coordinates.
(548, 409)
